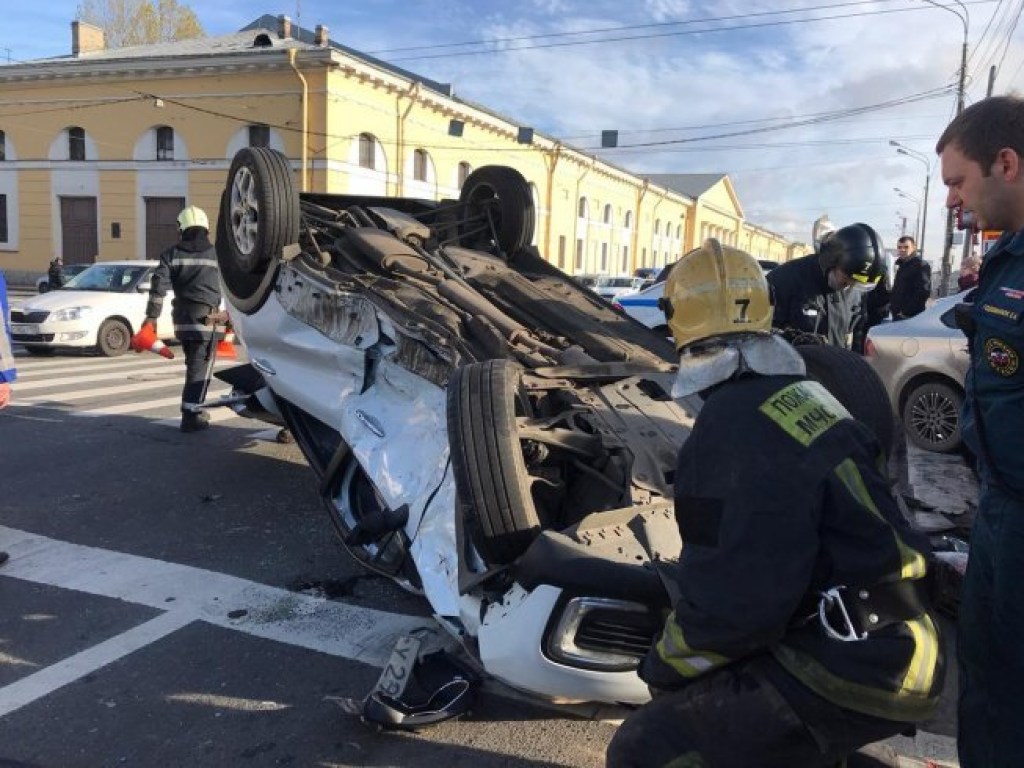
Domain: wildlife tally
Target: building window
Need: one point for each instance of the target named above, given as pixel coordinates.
(629, 219)
(3, 218)
(657, 227)
(76, 144)
(625, 259)
(561, 251)
(164, 143)
(464, 171)
(604, 257)
(579, 254)
(607, 214)
(259, 135)
(582, 208)
(419, 164)
(367, 151)
(679, 231)
(3, 146)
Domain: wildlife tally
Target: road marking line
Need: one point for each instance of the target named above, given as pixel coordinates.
(366, 635)
(118, 376)
(138, 407)
(45, 365)
(64, 397)
(54, 677)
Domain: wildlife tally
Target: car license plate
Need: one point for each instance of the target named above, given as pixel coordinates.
(24, 328)
(395, 677)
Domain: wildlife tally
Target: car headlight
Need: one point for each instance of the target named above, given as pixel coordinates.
(71, 313)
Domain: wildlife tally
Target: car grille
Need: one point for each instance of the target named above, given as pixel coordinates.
(30, 337)
(39, 316)
(629, 634)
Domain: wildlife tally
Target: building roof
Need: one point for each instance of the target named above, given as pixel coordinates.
(690, 184)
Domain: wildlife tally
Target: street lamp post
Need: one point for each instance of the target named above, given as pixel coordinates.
(926, 161)
(965, 19)
(917, 221)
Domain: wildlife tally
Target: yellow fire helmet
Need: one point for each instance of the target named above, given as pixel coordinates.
(713, 291)
(193, 216)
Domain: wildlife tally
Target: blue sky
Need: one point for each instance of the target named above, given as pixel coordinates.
(667, 92)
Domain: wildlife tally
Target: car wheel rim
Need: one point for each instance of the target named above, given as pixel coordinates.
(116, 339)
(244, 210)
(934, 417)
(356, 499)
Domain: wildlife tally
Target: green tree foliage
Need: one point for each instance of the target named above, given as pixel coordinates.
(138, 22)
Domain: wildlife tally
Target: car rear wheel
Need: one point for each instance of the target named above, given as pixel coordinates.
(114, 338)
(487, 459)
(854, 383)
(498, 210)
(259, 215)
(931, 416)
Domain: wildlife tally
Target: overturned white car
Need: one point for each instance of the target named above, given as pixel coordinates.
(484, 430)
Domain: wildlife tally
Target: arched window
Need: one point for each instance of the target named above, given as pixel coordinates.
(367, 151)
(628, 221)
(581, 210)
(607, 214)
(679, 231)
(76, 143)
(464, 170)
(657, 227)
(420, 164)
(164, 142)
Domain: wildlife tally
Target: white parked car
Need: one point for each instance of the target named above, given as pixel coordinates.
(613, 287)
(100, 308)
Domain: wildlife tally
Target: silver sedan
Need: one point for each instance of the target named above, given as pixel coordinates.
(922, 364)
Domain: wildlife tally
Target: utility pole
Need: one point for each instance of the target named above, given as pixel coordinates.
(947, 256)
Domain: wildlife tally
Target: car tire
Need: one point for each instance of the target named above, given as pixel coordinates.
(487, 459)
(498, 196)
(931, 416)
(35, 349)
(113, 338)
(259, 215)
(854, 383)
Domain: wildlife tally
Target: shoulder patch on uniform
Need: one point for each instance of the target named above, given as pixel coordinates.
(1001, 357)
(804, 410)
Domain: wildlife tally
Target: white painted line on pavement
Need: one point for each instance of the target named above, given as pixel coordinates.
(54, 677)
(47, 364)
(347, 631)
(138, 407)
(118, 376)
(83, 394)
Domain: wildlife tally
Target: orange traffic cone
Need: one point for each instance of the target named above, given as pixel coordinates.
(226, 346)
(146, 339)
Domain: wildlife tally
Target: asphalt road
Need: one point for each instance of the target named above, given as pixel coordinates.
(181, 599)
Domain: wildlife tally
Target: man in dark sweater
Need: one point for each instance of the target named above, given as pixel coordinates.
(912, 284)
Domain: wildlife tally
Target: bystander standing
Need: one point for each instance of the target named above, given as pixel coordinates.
(982, 157)
(912, 283)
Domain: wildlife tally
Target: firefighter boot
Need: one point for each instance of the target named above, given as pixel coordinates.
(194, 421)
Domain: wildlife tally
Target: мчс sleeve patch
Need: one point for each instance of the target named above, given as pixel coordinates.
(699, 520)
(804, 410)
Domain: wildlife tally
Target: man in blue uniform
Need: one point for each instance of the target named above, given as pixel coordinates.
(982, 155)
(798, 633)
(820, 294)
(190, 270)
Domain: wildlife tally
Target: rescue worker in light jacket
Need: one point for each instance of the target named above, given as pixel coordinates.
(799, 631)
(189, 268)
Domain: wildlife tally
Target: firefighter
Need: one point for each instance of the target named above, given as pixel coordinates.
(820, 293)
(799, 632)
(189, 268)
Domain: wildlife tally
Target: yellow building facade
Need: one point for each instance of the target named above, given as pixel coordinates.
(101, 149)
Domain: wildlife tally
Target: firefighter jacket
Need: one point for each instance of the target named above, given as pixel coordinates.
(190, 270)
(804, 302)
(911, 287)
(778, 499)
(993, 419)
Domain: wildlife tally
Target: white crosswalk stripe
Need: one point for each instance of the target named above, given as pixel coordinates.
(143, 386)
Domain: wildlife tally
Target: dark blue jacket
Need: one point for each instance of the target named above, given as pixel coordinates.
(993, 422)
(911, 287)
